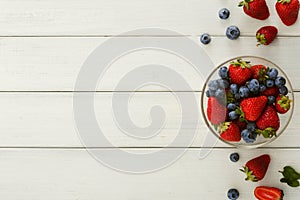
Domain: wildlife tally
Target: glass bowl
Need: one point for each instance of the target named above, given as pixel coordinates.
(218, 128)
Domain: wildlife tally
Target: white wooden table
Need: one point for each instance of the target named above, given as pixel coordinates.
(42, 48)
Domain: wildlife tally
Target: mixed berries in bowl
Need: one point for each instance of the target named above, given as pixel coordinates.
(247, 101)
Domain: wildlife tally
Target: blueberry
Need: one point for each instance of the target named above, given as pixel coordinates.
(271, 99)
(233, 194)
(234, 88)
(253, 85)
(213, 85)
(251, 126)
(280, 81)
(224, 13)
(223, 83)
(223, 72)
(220, 93)
(269, 83)
(272, 73)
(205, 38)
(233, 32)
(234, 157)
(208, 93)
(262, 88)
(237, 96)
(233, 115)
(248, 136)
(283, 90)
(231, 106)
(244, 92)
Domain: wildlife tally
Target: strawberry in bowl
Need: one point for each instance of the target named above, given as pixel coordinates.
(247, 101)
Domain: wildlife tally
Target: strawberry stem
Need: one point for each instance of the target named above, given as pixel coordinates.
(249, 174)
(290, 176)
(267, 133)
(245, 3)
(261, 38)
(284, 102)
(284, 1)
(240, 63)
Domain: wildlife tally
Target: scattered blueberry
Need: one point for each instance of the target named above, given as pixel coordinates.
(272, 73)
(234, 157)
(224, 13)
(253, 85)
(233, 194)
(262, 88)
(269, 83)
(205, 38)
(271, 99)
(220, 93)
(223, 72)
(234, 89)
(248, 136)
(283, 90)
(244, 92)
(233, 32)
(231, 106)
(213, 85)
(280, 81)
(251, 126)
(233, 115)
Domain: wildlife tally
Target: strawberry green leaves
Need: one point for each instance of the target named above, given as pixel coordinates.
(290, 176)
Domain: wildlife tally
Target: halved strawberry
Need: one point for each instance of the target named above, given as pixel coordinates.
(268, 193)
(229, 131)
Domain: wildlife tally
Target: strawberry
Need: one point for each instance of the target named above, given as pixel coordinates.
(266, 35)
(259, 72)
(268, 119)
(256, 168)
(273, 91)
(257, 9)
(288, 11)
(229, 131)
(240, 72)
(253, 107)
(283, 104)
(241, 124)
(268, 193)
(216, 112)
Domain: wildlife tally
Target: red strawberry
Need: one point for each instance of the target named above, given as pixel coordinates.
(266, 34)
(257, 9)
(288, 11)
(241, 125)
(268, 119)
(229, 131)
(253, 107)
(216, 112)
(283, 104)
(259, 72)
(256, 168)
(268, 193)
(240, 72)
(273, 91)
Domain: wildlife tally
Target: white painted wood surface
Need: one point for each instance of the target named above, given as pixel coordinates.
(43, 45)
(94, 17)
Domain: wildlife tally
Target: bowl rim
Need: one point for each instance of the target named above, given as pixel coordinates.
(248, 146)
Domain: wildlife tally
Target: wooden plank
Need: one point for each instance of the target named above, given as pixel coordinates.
(46, 120)
(54, 17)
(52, 64)
(74, 174)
